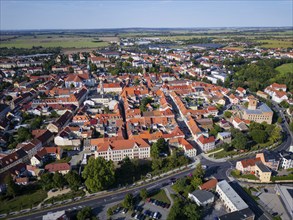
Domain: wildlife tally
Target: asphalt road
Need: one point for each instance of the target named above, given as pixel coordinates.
(99, 203)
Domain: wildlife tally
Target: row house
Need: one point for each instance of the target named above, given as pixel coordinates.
(61, 122)
(13, 159)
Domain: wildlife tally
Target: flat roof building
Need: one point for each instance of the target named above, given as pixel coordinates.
(231, 199)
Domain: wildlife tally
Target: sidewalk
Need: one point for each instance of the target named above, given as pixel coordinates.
(169, 196)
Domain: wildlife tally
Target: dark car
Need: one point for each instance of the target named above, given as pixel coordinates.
(133, 214)
(165, 184)
(275, 214)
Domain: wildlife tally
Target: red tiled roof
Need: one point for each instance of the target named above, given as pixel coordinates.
(206, 140)
(57, 167)
(249, 162)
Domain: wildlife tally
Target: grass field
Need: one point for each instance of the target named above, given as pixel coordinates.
(285, 68)
(161, 196)
(54, 41)
(23, 202)
(276, 43)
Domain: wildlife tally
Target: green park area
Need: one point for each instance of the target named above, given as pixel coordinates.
(285, 68)
(161, 196)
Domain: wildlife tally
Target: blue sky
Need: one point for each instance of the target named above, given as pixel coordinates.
(74, 14)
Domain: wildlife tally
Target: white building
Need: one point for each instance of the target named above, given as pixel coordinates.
(286, 160)
(231, 199)
(206, 143)
(201, 197)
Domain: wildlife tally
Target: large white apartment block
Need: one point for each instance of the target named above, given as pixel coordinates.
(230, 198)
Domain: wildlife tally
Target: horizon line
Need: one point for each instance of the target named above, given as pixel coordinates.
(120, 28)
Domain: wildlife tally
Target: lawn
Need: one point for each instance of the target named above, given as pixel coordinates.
(288, 177)
(223, 154)
(276, 43)
(161, 196)
(23, 201)
(54, 41)
(285, 68)
(245, 176)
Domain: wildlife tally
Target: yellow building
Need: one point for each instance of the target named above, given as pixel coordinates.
(262, 172)
(258, 112)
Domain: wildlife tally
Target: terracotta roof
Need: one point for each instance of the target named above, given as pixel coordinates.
(249, 162)
(122, 144)
(210, 184)
(206, 140)
(57, 167)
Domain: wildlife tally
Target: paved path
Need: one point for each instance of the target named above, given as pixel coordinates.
(57, 193)
(213, 159)
(169, 196)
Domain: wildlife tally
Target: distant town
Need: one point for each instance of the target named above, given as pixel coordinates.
(147, 126)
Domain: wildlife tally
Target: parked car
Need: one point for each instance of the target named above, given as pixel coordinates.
(125, 210)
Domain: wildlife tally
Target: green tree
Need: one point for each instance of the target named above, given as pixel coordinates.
(279, 120)
(157, 164)
(58, 180)
(85, 213)
(180, 185)
(291, 126)
(239, 141)
(276, 134)
(36, 122)
(199, 172)
(144, 102)
(126, 171)
(12, 188)
(196, 182)
(110, 211)
(99, 174)
(128, 201)
(23, 134)
(176, 210)
(47, 181)
(259, 136)
(227, 114)
(191, 211)
(161, 146)
(73, 179)
(143, 193)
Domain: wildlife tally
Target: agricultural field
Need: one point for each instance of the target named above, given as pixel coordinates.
(55, 41)
(276, 43)
(285, 68)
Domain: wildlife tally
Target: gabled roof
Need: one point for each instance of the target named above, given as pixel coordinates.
(208, 185)
(249, 162)
(55, 167)
(206, 140)
(122, 144)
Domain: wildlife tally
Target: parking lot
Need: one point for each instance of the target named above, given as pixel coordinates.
(144, 210)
